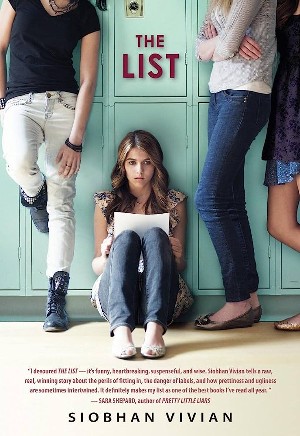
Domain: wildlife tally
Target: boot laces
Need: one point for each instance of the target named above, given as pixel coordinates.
(55, 304)
(56, 297)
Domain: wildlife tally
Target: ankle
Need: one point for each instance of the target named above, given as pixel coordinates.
(154, 334)
(39, 200)
(231, 310)
(254, 301)
(238, 305)
(122, 334)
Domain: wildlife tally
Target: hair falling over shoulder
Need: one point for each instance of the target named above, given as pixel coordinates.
(225, 5)
(124, 201)
(285, 9)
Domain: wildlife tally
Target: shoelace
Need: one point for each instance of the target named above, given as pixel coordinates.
(54, 305)
(60, 283)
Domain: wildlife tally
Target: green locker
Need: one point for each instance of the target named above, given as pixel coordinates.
(203, 69)
(10, 236)
(90, 179)
(148, 78)
(149, 56)
(209, 278)
(161, 119)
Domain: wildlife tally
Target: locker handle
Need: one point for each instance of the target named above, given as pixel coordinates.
(101, 4)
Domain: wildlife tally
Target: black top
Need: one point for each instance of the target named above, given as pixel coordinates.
(41, 47)
(283, 135)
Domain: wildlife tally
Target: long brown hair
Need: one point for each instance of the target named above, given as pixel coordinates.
(123, 200)
(285, 9)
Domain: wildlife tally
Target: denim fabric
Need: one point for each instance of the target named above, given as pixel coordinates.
(278, 172)
(29, 121)
(128, 297)
(234, 120)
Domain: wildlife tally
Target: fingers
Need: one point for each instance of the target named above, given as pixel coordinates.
(69, 162)
(106, 246)
(59, 156)
(210, 31)
(249, 49)
(69, 168)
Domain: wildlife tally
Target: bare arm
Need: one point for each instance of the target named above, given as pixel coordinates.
(7, 16)
(207, 48)
(249, 49)
(206, 39)
(178, 239)
(88, 78)
(102, 242)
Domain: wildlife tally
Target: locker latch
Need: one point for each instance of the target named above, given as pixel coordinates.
(134, 8)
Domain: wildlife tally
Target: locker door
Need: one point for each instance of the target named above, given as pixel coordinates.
(203, 67)
(149, 52)
(290, 274)
(89, 180)
(166, 121)
(10, 237)
(209, 276)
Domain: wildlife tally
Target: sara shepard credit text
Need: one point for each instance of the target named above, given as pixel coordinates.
(176, 417)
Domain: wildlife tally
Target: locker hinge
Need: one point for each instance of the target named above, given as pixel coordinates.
(102, 141)
(269, 252)
(101, 59)
(185, 58)
(19, 253)
(186, 141)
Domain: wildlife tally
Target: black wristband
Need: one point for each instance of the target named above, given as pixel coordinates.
(2, 103)
(74, 147)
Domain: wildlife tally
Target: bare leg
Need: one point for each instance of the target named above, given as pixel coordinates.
(254, 300)
(122, 343)
(153, 345)
(153, 335)
(283, 202)
(231, 310)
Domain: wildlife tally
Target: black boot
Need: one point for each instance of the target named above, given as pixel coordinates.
(38, 208)
(56, 315)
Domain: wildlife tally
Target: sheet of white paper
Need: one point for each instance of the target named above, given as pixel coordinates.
(140, 223)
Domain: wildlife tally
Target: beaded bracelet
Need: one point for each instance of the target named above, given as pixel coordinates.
(74, 147)
(2, 103)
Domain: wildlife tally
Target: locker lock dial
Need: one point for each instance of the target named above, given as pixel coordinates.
(134, 8)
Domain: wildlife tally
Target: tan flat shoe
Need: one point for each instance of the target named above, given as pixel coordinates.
(153, 351)
(286, 324)
(124, 352)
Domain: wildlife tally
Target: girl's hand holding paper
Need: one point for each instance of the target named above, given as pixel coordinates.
(106, 246)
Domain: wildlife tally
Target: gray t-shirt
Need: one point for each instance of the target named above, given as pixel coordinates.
(255, 18)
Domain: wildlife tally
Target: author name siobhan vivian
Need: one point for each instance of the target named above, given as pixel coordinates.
(149, 417)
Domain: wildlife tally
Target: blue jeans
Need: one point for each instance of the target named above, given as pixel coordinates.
(234, 120)
(128, 297)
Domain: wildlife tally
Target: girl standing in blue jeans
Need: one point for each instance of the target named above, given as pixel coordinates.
(239, 36)
(41, 102)
(130, 290)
